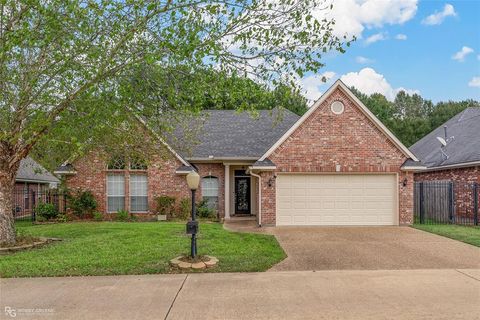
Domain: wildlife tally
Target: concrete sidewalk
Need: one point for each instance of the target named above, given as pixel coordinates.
(377, 294)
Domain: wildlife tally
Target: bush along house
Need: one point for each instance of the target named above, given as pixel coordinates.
(335, 165)
(451, 177)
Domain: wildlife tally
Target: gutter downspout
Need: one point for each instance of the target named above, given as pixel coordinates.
(259, 198)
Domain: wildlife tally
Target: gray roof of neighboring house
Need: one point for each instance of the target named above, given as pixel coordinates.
(30, 170)
(464, 147)
(230, 134)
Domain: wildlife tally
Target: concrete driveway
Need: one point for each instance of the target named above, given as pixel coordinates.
(370, 248)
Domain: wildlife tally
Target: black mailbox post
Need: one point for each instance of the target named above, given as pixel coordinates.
(192, 227)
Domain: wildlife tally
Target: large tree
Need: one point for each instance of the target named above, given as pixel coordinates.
(411, 117)
(65, 60)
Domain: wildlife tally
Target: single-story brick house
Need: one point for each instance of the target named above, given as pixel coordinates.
(335, 165)
(455, 159)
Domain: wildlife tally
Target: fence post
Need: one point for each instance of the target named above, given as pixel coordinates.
(422, 205)
(34, 200)
(64, 197)
(475, 203)
(450, 201)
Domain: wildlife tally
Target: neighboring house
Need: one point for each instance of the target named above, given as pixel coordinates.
(335, 165)
(32, 182)
(451, 154)
(459, 160)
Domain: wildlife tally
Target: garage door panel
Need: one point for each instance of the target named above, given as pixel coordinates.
(329, 199)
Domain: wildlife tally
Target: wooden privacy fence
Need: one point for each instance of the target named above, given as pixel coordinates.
(438, 202)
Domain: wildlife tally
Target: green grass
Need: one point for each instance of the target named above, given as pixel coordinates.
(112, 248)
(465, 234)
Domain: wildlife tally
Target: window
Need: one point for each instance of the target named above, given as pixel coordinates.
(116, 192)
(138, 193)
(117, 163)
(138, 164)
(210, 191)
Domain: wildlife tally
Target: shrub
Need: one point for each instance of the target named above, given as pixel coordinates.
(62, 217)
(165, 205)
(184, 209)
(97, 216)
(46, 211)
(82, 203)
(204, 211)
(122, 215)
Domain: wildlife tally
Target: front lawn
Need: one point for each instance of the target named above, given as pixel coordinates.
(109, 248)
(465, 234)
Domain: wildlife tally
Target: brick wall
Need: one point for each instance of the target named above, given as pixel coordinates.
(471, 174)
(216, 170)
(350, 140)
(463, 179)
(162, 179)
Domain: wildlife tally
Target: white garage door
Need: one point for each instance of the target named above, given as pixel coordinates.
(336, 199)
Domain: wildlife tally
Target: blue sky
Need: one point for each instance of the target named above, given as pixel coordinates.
(430, 47)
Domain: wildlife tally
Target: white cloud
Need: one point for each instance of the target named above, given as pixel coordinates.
(478, 57)
(369, 81)
(353, 16)
(401, 36)
(438, 17)
(363, 60)
(460, 55)
(475, 82)
(376, 37)
(311, 84)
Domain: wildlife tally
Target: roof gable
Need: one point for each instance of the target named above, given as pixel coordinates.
(340, 85)
(30, 170)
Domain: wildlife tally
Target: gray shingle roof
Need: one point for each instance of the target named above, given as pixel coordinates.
(264, 163)
(30, 170)
(465, 147)
(230, 134)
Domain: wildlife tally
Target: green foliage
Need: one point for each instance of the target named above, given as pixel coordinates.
(46, 211)
(204, 211)
(165, 205)
(97, 216)
(82, 203)
(96, 248)
(71, 89)
(467, 234)
(185, 208)
(62, 217)
(122, 215)
(410, 117)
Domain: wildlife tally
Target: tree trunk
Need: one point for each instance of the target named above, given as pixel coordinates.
(7, 185)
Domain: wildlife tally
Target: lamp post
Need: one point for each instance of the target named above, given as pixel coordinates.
(193, 179)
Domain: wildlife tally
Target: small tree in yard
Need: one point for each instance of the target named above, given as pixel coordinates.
(67, 67)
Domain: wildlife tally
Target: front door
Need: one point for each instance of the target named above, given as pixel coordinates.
(242, 195)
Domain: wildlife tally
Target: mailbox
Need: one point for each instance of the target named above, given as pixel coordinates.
(192, 227)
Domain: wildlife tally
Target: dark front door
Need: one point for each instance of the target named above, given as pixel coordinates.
(242, 195)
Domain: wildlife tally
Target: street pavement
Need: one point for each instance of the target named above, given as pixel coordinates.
(340, 294)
